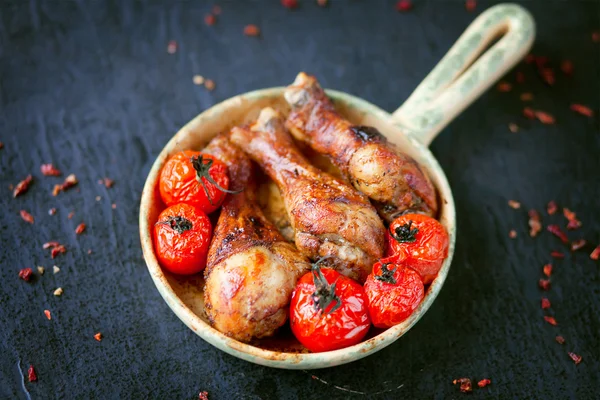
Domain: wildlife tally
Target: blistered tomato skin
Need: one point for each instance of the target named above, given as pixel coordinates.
(182, 236)
(179, 181)
(421, 242)
(394, 292)
(338, 325)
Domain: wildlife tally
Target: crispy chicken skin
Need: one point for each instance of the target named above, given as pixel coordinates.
(251, 269)
(376, 167)
(330, 219)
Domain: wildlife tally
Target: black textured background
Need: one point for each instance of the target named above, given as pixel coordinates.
(90, 87)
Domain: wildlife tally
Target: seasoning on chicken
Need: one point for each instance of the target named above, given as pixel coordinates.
(251, 269)
(330, 219)
(375, 166)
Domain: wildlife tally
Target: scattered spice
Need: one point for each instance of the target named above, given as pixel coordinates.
(172, 47)
(512, 234)
(203, 395)
(69, 182)
(548, 75)
(535, 223)
(113, 206)
(470, 5)
(545, 303)
(556, 231)
(52, 211)
(209, 84)
(41, 270)
(483, 383)
(322, 3)
(566, 66)
(216, 10)
(60, 249)
(108, 182)
(573, 224)
(198, 79)
(50, 244)
(526, 96)
(56, 190)
(575, 357)
(31, 374)
(545, 118)
(210, 19)
(547, 270)
(89, 251)
(550, 320)
(26, 216)
(552, 207)
(404, 5)
(577, 244)
(514, 128)
(251, 30)
(26, 274)
(291, 4)
(98, 198)
(80, 229)
(22, 186)
(50, 170)
(47, 314)
(560, 340)
(465, 384)
(514, 204)
(1, 145)
(98, 336)
(504, 87)
(528, 113)
(55, 269)
(520, 77)
(71, 215)
(544, 284)
(58, 292)
(595, 254)
(557, 254)
(581, 109)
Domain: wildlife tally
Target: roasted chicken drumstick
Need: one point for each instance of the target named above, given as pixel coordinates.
(251, 269)
(331, 220)
(374, 166)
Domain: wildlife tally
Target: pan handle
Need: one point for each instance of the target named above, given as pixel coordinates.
(465, 73)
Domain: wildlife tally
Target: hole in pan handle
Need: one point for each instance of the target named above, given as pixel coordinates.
(467, 70)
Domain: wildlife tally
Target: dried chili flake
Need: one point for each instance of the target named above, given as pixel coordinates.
(552, 207)
(322, 3)
(58, 292)
(581, 109)
(210, 19)
(574, 224)
(465, 384)
(47, 314)
(22, 186)
(504, 87)
(108, 182)
(113, 206)
(52, 211)
(27, 217)
(483, 383)
(526, 96)
(535, 223)
(556, 231)
(71, 215)
(89, 251)
(575, 357)
(172, 47)
(198, 80)
(512, 234)
(57, 250)
(560, 340)
(566, 66)
(557, 254)
(203, 395)
(577, 244)
(595, 254)
(548, 75)
(26, 274)
(291, 4)
(56, 190)
(50, 170)
(547, 270)
(528, 113)
(251, 30)
(41, 270)
(545, 118)
(514, 204)
(69, 182)
(98, 336)
(404, 5)
(550, 320)
(50, 244)
(80, 229)
(31, 375)
(470, 5)
(98, 198)
(216, 10)
(514, 128)
(209, 84)
(520, 77)
(545, 303)
(55, 270)
(544, 284)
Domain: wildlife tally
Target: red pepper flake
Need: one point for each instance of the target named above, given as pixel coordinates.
(172, 47)
(113, 206)
(548, 75)
(291, 4)
(47, 314)
(547, 270)
(577, 244)
(58, 250)
(581, 109)
(108, 182)
(528, 113)
(514, 128)
(210, 19)
(26, 216)
(89, 251)
(596, 37)
(595, 255)
(251, 30)
(575, 357)
(520, 77)
(512, 234)
(504, 87)
(544, 284)
(470, 5)
(80, 229)
(550, 320)
(47, 245)
(557, 254)
(56, 190)
(527, 96)
(26, 274)
(570, 215)
(465, 384)
(514, 204)
(52, 211)
(216, 10)
(574, 224)
(566, 66)
(404, 5)
(556, 231)
(22, 186)
(31, 374)
(552, 207)
(50, 170)
(322, 3)
(203, 395)
(98, 336)
(483, 383)
(69, 182)
(71, 215)
(560, 340)
(545, 118)
(545, 303)
(535, 223)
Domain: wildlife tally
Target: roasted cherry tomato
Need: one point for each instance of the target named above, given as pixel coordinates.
(181, 239)
(194, 178)
(421, 242)
(394, 291)
(328, 310)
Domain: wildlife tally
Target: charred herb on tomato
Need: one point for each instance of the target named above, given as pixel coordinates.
(178, 223)
(405, 233)
(202, 166)
(387, 275)
(324, 294)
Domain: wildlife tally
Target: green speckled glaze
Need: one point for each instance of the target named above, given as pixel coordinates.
(450, 87)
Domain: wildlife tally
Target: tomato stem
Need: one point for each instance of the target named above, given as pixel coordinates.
(404, 233)
(178, 223)
(387, 275)
(324, 293)
(202, 171)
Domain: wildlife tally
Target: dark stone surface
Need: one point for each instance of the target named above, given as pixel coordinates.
(90, 87)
